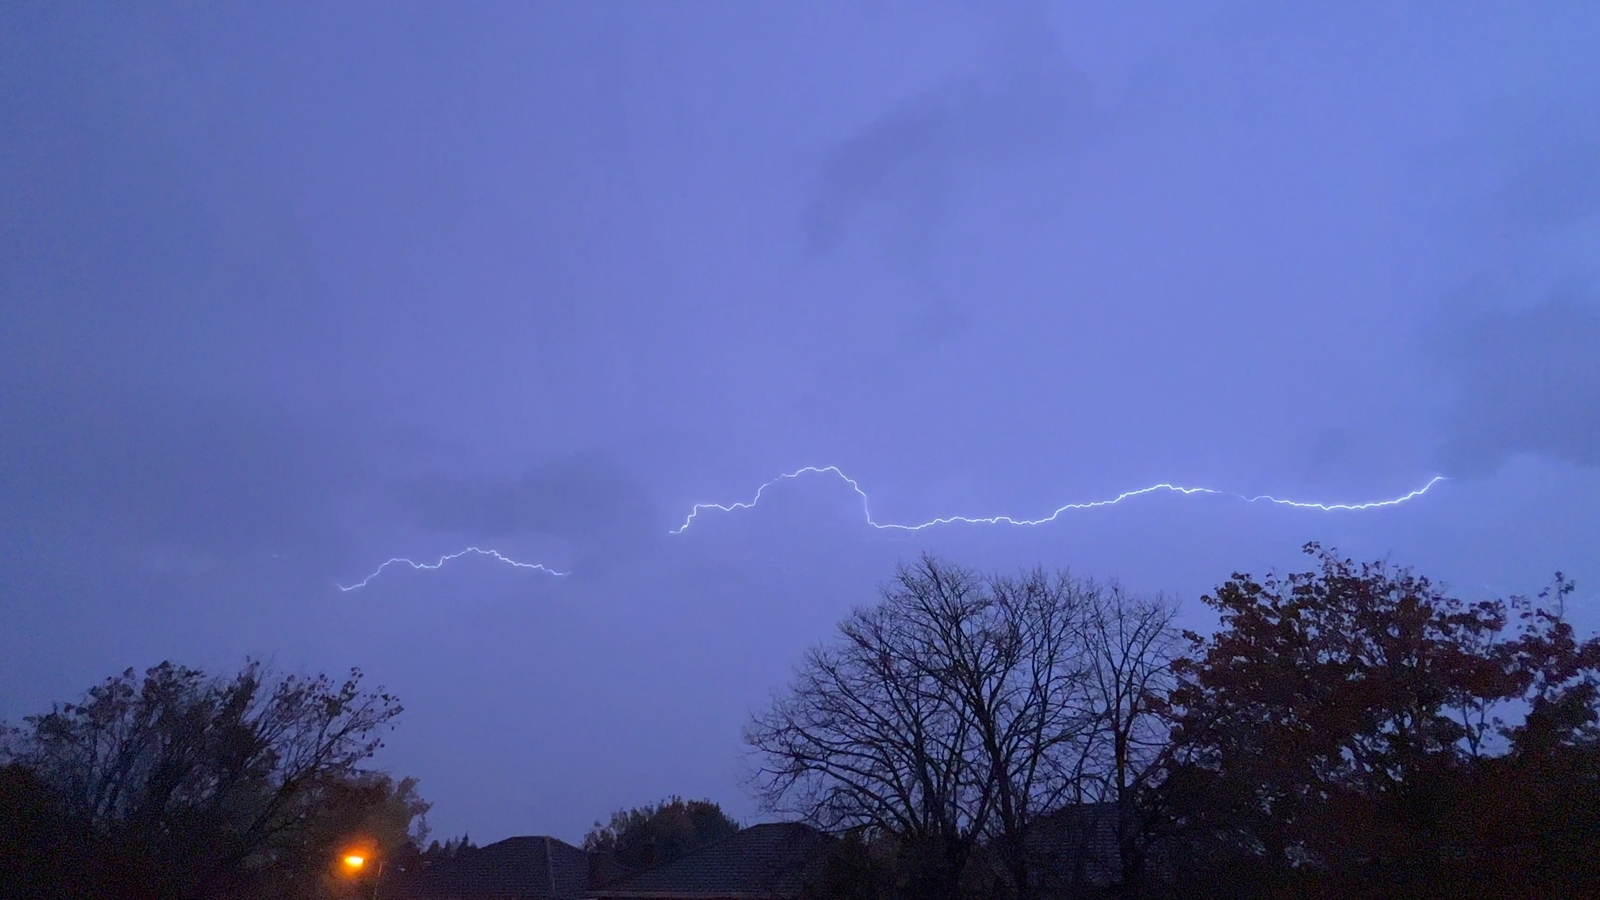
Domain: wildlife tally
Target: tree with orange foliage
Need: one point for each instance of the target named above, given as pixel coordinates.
(1351, 731)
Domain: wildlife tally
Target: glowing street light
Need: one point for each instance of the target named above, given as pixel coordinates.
(356, 862)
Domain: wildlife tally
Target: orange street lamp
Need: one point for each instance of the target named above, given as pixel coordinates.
(355, 861)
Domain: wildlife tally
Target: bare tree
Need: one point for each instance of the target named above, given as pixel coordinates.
(947, 713)
(1130, 644)
(1017, 666)
(866, 737)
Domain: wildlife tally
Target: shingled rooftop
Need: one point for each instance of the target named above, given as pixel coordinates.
(762, 862)
(519, 868)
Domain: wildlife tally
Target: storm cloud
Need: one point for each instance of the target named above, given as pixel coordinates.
(585, 498)
(909, 164)
(290, 291)
(1528, 382)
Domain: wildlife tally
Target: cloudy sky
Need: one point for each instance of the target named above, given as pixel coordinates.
(286, 291)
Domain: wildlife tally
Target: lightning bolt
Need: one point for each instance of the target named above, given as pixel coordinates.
(943, 520)
(1008, 520)
(493, 554)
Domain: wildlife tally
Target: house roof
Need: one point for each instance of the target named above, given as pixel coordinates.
(762, 861)
(518, 868)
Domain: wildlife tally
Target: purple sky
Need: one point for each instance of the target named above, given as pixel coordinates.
(287, 291)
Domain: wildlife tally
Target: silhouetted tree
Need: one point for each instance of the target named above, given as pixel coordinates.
(366, 810)
(959, 710)
(1130, 646)
(199, 787)
(1341, 734)
(437, 852)
(649, 835)
(46, 851)
(1525, 821)
(859, 866)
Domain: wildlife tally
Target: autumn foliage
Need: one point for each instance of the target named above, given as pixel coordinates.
(1354, 731)
(1349, 731)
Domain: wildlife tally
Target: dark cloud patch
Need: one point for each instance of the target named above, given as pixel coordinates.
(910, 162)
(1527, 382)
(584, 498)
(1526, 375)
